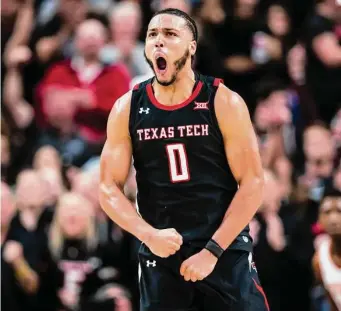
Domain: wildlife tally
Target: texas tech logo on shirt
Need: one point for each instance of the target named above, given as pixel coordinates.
(171, 132)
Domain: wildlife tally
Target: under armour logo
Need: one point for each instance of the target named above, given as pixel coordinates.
(146, 111)
(252, 264)
(151, 263)
(203, 106)
(245, 239)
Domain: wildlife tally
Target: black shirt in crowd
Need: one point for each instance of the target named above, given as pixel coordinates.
(323, 81)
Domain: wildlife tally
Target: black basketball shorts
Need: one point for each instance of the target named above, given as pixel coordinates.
(232, 286)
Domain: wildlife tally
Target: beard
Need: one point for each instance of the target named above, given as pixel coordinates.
(179, 64)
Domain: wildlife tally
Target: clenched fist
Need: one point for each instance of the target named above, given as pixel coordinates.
(165, 242)
(199, 266)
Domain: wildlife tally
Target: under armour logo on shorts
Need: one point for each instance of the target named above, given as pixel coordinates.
(146, 111)
(151, 263)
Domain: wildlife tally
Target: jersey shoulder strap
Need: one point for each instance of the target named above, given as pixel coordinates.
(139, 99)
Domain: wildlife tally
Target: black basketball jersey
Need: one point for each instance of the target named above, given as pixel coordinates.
(183, 177)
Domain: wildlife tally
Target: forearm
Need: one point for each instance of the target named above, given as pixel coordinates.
(47, 47)
(123, 213)
(23, 27)
(27, 278)
(13, 92)
(240, 212)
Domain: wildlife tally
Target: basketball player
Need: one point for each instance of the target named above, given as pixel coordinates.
(199, 179)
(327, 259)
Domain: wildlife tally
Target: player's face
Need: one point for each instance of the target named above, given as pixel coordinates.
(169, 47)
(330, 215)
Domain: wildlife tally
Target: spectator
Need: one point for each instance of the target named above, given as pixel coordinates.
(76, 97)
(17, 273)
(273, 121)
(209, 16)
(125, 27)
(270, 230)
(327, 259)
(53, 40)
(18, 112)
(79, 271)
(235, 41)
(323, 69)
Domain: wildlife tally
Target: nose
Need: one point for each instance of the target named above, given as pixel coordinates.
(159, 42)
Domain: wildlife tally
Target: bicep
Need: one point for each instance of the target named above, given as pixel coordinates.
(115, 162)
(117, 151)
(240, 140)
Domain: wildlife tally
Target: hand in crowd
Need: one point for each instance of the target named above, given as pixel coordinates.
(122, 302)
(17, 56)
(165, 242)
(24, 115)
(275, 231)
(68, 298)
(12, 251)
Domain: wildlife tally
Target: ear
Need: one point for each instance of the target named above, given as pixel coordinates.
(192, 47)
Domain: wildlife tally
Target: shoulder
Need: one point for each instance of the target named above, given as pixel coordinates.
(231, 112)
(229, 103)
(121, 107)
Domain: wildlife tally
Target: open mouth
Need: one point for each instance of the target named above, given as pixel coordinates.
(161, 64)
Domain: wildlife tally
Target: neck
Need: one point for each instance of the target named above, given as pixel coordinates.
(90, 60)
(180, 90)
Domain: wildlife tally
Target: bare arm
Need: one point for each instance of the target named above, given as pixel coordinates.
(115, 166)
(243, 157)
(20, 110)
(239, 63)
(23, 26)
(327, 49)
(47, 47)
(25, 275)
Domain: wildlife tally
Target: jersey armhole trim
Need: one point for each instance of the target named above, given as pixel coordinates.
(136, 87)
(217, 81)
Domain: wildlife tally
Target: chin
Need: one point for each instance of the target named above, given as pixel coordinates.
(163, 81)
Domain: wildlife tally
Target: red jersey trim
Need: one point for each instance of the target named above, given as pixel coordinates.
(136, 87)
(260, 289)
(156, 103)
(217, 81)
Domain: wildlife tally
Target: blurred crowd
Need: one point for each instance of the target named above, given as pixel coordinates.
(66, 62)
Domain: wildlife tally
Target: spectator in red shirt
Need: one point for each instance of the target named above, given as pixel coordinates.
(76, 96)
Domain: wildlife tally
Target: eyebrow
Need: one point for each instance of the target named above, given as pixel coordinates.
(164, 29)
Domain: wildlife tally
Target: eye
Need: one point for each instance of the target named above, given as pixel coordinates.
(152, 34)
(171, 33)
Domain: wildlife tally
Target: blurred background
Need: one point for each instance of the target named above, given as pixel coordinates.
(63, 65)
